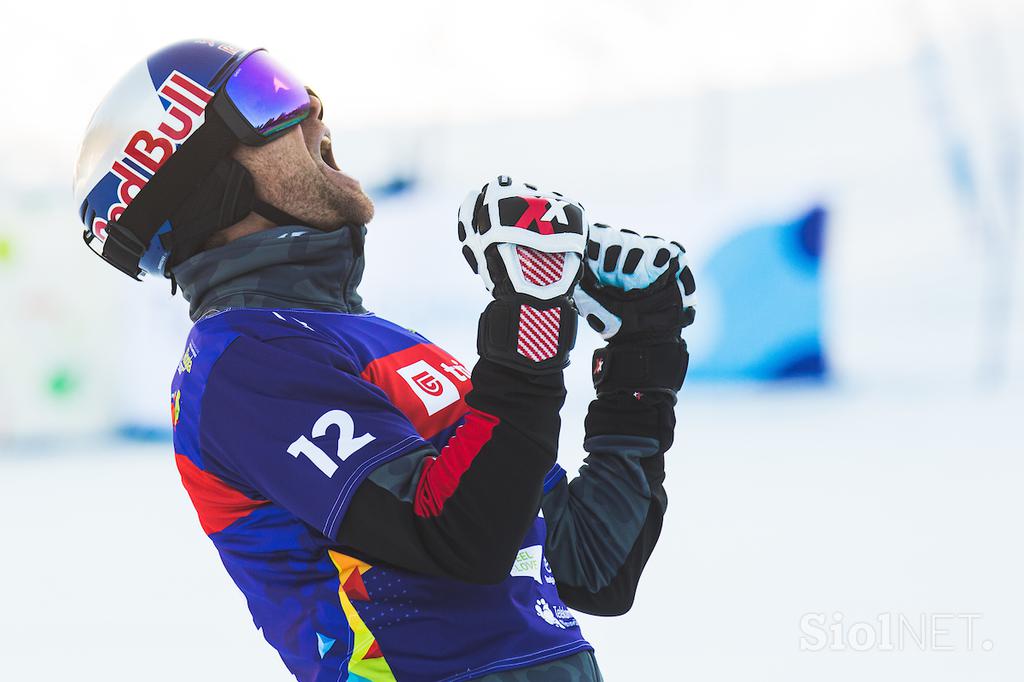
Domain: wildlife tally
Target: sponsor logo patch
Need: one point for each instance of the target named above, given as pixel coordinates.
(545, 612)
(431, 386)
(175, 408)
(425, 383)
(186, 359)
(528, 563)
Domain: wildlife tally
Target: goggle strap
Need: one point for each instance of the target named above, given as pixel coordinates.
(154, 204)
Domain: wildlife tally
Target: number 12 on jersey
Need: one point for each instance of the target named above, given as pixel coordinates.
(347, 442)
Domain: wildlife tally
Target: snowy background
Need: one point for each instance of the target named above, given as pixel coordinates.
(889, 492)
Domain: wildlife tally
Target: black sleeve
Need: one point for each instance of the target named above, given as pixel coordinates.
(604, 524)
(464, 512)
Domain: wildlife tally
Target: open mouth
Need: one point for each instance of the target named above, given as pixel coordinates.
(327, 153)
(330, 166)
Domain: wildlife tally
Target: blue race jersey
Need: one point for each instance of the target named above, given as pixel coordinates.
(279, 416)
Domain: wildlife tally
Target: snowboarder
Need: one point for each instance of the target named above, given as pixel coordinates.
(388, 513)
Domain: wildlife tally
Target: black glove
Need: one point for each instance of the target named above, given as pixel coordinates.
(638, 293)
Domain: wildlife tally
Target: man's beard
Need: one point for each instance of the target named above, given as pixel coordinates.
(314, 199)
(352, 206)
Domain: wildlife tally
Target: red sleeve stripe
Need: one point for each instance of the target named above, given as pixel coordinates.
(218, 504)
(441, 474)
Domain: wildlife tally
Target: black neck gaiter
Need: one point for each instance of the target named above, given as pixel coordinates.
(286, 267)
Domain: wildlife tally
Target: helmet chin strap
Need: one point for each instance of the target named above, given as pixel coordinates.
(274, 214)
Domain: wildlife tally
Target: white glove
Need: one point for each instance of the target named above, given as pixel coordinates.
(522, 239)
(635, 286)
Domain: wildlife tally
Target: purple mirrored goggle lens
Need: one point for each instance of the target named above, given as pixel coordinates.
(266, 95)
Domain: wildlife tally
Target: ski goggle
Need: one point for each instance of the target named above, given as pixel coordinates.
(260, 100)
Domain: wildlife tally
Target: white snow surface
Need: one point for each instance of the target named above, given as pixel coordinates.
(782, 503)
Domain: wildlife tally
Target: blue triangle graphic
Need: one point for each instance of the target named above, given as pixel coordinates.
(324, 644)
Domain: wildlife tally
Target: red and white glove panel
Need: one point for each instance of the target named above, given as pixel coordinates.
(527, 245)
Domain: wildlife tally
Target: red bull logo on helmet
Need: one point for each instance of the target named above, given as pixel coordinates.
(148, 150)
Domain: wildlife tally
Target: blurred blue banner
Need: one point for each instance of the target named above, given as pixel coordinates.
(768, 302)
